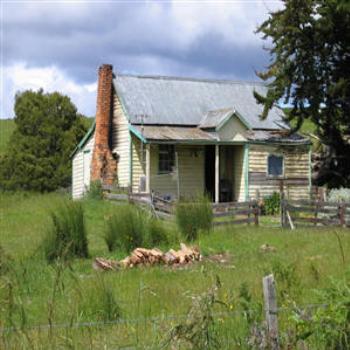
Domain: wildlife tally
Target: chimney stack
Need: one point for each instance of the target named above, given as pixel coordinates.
(103, 164)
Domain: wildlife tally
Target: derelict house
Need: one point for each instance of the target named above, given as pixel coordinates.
(181, 137)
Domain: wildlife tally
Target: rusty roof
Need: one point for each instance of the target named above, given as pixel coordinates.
(178, 134)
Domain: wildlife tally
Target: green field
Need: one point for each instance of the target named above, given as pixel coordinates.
(152, 300)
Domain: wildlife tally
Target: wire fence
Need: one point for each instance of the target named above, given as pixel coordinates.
(140, 320)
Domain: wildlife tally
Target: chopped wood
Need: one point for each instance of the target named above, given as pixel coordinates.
(104, 264)
(150, 257)
(266, 248)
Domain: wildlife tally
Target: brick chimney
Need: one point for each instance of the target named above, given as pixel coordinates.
(103, 164)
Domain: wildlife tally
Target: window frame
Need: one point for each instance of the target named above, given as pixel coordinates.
(171, 158)
(279, 155)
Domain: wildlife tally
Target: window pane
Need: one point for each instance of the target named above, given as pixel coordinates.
(275, 165)
(166, 158)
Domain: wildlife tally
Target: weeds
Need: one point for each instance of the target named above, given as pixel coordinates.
(199, 331)
(125, 229)
(193, 216)
(130, 227)
(99, 302)
(95, 190)
(66, 237)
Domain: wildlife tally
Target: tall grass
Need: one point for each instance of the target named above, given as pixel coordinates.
(193, 216)
(124, 229)
(66, 236)
(130, 227)
(99, 302)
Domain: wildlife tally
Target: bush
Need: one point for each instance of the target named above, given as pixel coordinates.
(130, 227)
(271, 204)
(156, 233)
(125, 229)
(95, 191)
(192, 216)
(339, 195)
(66, 236)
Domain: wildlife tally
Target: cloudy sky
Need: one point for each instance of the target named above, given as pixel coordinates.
(58, 45)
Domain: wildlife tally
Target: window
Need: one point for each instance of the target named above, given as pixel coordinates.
(275, 165)
(166, 158)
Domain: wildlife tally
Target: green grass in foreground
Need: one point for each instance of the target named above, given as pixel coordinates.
(304, 261)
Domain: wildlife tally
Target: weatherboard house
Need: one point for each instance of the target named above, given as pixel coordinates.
(180, 137)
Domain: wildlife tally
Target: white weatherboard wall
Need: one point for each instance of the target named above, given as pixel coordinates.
(81, 169)
(121, 143)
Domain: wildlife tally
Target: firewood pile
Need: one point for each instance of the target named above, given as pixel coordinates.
(150, 257)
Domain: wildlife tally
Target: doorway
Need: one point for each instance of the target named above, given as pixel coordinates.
(209, 161)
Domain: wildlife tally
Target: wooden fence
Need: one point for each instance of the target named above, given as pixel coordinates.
(229, 213)
(303, 212)
(236, 213)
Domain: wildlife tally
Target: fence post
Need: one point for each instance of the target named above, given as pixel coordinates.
(270, 301)
(342, 209)
(256, 213)
(282, 204)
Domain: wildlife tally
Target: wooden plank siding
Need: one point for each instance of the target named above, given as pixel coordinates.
(121, 143)
(191, 172)
(78, 168)
(138, 163)
(296, 172)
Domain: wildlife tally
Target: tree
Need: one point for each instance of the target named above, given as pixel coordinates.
(310, 70)
(48, 128)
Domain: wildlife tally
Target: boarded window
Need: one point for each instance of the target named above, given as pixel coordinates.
(275, 165)
(166, 158)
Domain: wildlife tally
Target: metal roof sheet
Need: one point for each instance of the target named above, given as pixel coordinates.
(183, 101)
(174, 133)
(194, 134)
(213, 118)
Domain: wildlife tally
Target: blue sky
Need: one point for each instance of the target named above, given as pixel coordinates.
(58, 45)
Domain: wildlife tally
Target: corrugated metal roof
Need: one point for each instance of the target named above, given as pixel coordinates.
(214, 118)
(152, 133)
(183, 101)
(174, 133)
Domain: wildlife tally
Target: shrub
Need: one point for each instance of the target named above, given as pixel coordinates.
(125, 228)
(130, 227)
(95, 191)
(156, 233)
(192, 216)
(271, 204)
(66, 236)
(339, 195)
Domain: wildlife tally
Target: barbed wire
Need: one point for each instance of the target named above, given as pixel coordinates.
(151, 319)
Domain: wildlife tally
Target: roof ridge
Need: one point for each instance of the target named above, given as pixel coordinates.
(193, 79)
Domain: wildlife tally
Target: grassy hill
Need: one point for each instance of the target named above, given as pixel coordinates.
(7, 126)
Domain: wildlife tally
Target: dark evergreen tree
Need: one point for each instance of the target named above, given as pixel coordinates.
(48, 128)
(310, 69)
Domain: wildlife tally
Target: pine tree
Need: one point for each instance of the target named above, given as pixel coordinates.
(48, 128)
(310, 69)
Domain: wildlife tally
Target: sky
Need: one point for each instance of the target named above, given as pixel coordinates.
(59, 45)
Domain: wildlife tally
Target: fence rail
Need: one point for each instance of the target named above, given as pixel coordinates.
(228, 213)
(313, 212)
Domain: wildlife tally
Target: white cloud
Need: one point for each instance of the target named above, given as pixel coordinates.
(20, 77)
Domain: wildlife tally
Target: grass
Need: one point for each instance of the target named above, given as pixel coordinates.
(44, 294)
